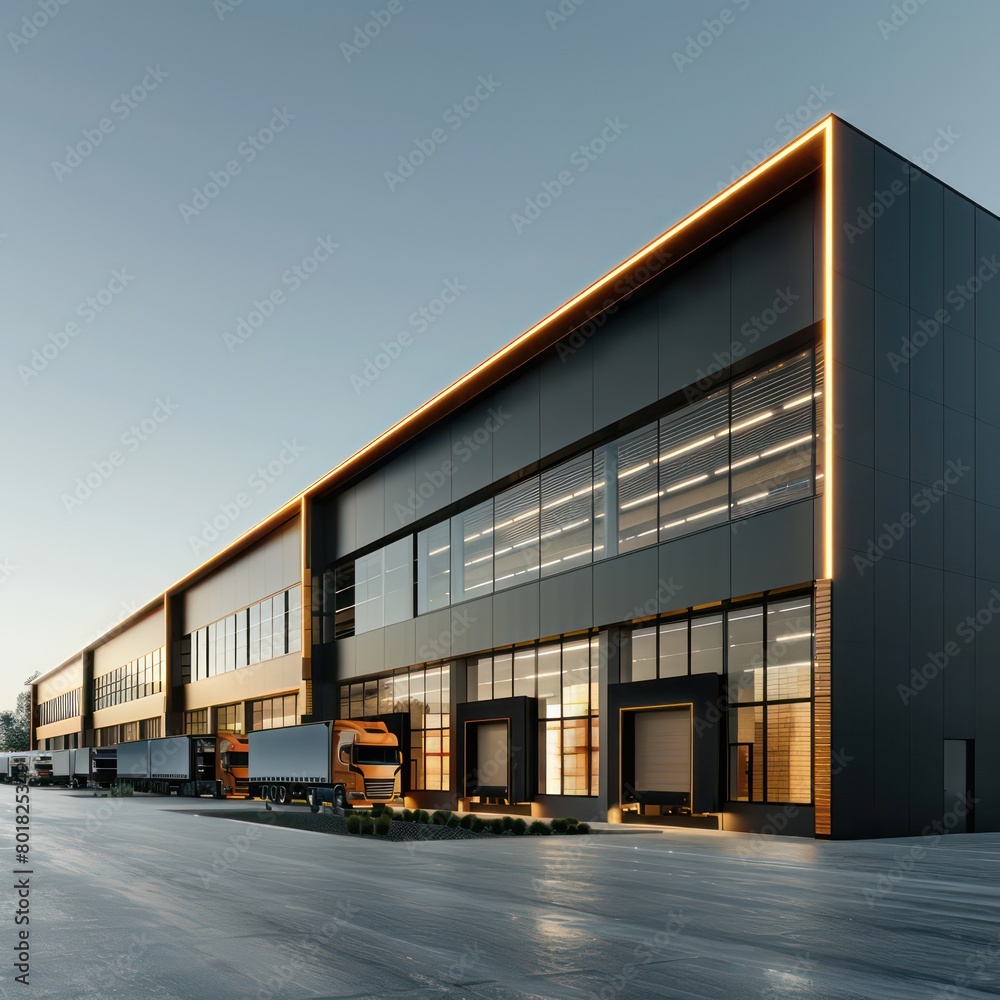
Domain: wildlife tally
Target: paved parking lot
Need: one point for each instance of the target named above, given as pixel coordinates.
(143, 898)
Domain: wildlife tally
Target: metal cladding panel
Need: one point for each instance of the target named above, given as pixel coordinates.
(80, 761)
(169, 757)
(4, 763)
(133, 759)
(300, 753)
(62, 763)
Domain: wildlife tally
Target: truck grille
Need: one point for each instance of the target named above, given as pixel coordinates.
(379, 788)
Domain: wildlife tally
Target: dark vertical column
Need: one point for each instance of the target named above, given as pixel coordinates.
(609, 673)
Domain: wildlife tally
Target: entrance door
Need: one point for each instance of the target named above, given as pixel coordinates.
(958, 765)
(740, 771)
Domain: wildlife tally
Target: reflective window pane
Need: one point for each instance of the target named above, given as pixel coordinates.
(472, 552)
(694, 466)
(434, 567)
(643, 654)
(789, 752)
(746, 655)
(368, 592)
(515, 535)
(398, 561)
(567, 515)
(706, 645)
(674, 649)
(772, 436)
(789, 650)
(576, 677)
(503, 675)
(638, 491)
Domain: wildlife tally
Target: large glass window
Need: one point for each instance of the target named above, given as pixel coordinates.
(274, 713)
(434, 568)
(472, 552)
(773, 436)
(694, 466)
(398, 603)
(637, 488)
(368, 572)
(567, 515)
(515, 535)
(770, 697)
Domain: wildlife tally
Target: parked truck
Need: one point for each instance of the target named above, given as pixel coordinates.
(103, 765)
(187, 765)
(71, 767)
(345, 762)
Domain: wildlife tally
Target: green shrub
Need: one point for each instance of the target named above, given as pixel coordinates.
(376, 810)
(407, 816)
(519, 828)
(572, 821)
(354, 823)
(453, 822)
(421, 816)
(508, 822)
(496, 826)
(477, 825)
(466, 821)
(368, 825)
(122, 790)
(388, 811)
(559, 826)
(583, 828)
(539, 829)
(440, 817)
(382, 825)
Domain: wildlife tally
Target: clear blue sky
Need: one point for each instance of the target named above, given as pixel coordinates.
(299, 124)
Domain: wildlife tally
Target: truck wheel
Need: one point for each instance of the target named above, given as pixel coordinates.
(339, 798)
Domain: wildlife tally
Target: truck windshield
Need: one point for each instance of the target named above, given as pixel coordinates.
(367, 753)
(235, 758)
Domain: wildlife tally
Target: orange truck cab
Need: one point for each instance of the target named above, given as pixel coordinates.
(232, 761)
(347, 762)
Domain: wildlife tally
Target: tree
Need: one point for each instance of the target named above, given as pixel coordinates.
(15, 727)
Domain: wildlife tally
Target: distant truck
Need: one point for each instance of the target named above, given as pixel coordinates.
(70, 767)
(185, 765)
(33, 767)
(345, 762)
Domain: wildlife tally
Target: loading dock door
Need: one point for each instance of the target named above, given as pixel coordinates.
(492, 756)
(663, 750)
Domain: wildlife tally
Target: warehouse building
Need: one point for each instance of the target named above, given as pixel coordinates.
(715, 543)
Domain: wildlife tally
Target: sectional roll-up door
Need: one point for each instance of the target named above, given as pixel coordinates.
(663, 750)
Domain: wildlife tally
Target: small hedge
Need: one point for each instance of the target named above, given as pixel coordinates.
(518, 827)
(466, 821)
(382, 825)
(381, 817)
(453, 822)
(367, 825)
(440, 817)
(407, 816)
(354, 823)
(539, 829)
